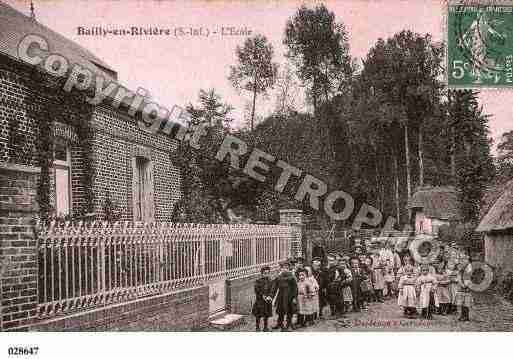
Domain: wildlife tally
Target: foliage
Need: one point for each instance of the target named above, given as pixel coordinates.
(211, 110)
(318, 45)
(45, 151)
(397, 91)
(356, 141)
(474, 165)
(85, 138)
(255, 72)
(287, 91)
(505, 157)
(111, 211)
(204, 179)
(403, 73)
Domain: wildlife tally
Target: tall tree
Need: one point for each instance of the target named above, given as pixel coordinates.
(318, 45)
(471, 150)
(255, 70)
(403, 72)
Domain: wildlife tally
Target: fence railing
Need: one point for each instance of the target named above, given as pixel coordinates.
(83, 266)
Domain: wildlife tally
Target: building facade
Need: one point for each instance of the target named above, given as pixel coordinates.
(93, 159)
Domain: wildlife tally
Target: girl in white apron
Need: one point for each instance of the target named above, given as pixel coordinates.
(407, 295)
(426, 284)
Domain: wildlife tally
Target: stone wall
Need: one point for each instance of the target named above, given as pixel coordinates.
(180, 311)
(18, 246)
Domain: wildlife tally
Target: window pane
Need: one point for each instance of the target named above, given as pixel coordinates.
(62, 200)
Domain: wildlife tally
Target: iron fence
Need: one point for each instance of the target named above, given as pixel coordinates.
(83, 266)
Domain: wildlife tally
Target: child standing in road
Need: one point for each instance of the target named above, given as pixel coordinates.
(263, 308)
(378, 280)
(464, 296)
(442, 293)
(366, 284)
(347, 294)
(452, 274)
(407, 298)
(426, 284)
(304, 298)
(315, 295)
(389, 280)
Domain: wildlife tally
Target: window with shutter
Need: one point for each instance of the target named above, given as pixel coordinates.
(143, 189)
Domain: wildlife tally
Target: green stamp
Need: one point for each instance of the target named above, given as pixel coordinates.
(479, 45)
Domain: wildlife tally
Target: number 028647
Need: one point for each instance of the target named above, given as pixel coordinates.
(22, 351)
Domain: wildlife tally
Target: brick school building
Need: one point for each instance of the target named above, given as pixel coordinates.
(93, 159)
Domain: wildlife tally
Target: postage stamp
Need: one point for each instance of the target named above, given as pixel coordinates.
(480, 44)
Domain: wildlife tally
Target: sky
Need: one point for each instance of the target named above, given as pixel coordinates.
(174, 69)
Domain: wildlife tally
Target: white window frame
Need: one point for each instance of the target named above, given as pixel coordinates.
(63, 165)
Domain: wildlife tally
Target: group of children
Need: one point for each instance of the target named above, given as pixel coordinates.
(438, 288)
(349, 283)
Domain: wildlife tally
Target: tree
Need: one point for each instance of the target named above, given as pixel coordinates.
(211, 110)
(470, 150)
(204, 179)
(505, 156)
(403, 74)
(318, 45)
(286, 91)
(255, 72)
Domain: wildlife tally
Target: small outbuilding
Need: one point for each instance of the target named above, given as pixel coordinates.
(497, 225)
(433, 207)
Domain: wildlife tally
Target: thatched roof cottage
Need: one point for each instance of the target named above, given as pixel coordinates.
(433, 207)
(497, 224)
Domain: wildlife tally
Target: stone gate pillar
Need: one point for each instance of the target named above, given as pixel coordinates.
(294, 218)
(18, 246)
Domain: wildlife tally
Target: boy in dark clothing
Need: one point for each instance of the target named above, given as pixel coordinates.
(263, 307)
(333, 287)
(357, 276)
(285, 290)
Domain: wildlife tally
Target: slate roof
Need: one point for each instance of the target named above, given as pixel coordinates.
(437, 202)
(14, 26)
(499, 215)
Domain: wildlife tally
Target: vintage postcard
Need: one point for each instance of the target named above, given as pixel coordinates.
(255, 166)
